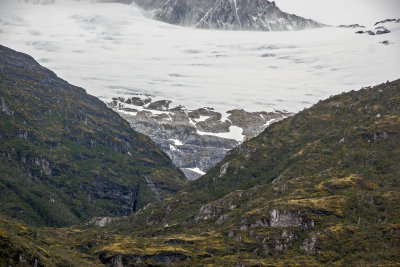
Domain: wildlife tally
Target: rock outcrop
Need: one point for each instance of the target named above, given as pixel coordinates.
(351, 26)
(100, 221)
(284, 218)
(260, 15)
(195, 140)
(379, 28)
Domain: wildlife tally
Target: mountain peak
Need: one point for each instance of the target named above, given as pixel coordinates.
(259, 15)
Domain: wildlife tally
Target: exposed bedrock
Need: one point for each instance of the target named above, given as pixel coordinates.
(195, 140)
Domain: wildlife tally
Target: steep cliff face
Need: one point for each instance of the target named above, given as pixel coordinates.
(260, 15)
(195, 140)
(65, 156)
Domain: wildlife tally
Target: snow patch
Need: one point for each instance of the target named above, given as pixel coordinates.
(235, 133)
(201, 119)
(196, 170)
(177, 142)
(268, 123)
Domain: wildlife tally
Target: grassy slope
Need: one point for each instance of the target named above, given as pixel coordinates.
(65, 156)
(335, 164)
(335, 167)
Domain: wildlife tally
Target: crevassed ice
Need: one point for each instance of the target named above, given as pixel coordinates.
(115, 50)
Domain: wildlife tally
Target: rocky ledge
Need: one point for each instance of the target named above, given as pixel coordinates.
(379, 28)
(195, 140)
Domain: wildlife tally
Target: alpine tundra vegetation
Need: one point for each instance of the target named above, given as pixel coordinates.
(200, 137)
(66, 157)
(318, 188)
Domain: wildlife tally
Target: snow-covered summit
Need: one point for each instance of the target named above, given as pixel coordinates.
(260, 15)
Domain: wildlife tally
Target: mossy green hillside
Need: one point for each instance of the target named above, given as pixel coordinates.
(324, 200)
(318, 188)
(65, 156)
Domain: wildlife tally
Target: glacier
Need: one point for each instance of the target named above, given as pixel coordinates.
(118, 50)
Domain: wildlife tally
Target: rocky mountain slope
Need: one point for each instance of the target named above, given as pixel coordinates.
(318, 188)
(384, 27)
(65, 156)
(195, 140)
(260, 15)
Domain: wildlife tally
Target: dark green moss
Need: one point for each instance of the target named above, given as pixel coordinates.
(65, 156)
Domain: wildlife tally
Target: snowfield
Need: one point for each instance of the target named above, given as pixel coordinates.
(116, 50)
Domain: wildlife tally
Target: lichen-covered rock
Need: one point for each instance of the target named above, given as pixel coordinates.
(309, 244)
(223, 169)
(215, 209)
(284, 218)
(100, 221)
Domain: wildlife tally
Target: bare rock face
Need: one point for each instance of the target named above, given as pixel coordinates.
(386, 21)
(216, 209)
(351, 26)
(4, 107)
(223, 169)
(309, 244)
(283, 218)
(260, 15)
(195, 140)
(381, 27)
(100, 221)
(381, 30)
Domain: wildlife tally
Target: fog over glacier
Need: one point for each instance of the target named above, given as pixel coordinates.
(117, 50)
(335, 12)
